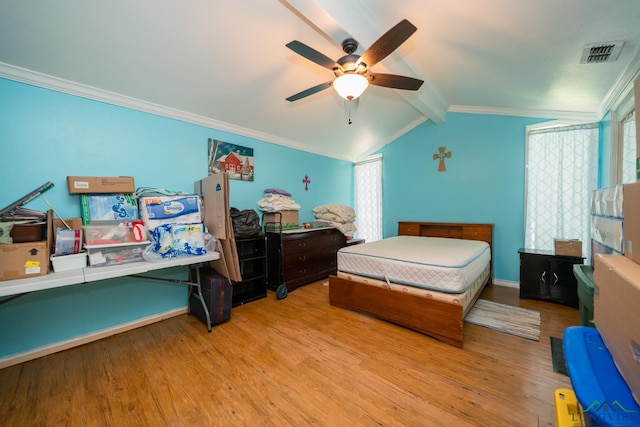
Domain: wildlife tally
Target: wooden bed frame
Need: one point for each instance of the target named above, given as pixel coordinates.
(439, 319)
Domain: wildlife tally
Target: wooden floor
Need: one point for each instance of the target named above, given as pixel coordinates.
(297, 362)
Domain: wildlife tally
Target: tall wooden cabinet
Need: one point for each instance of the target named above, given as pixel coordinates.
(298, 257)
(546, 276)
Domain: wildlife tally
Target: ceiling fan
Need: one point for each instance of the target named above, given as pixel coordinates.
(352, 71)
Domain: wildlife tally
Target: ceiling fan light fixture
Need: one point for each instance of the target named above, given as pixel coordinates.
(350, 85)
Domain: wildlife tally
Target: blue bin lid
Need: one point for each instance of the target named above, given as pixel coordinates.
(597, 383)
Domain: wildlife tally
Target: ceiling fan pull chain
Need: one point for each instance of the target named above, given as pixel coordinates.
(348, 111)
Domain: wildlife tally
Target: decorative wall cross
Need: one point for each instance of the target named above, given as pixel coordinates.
(441, 155)
(306, 181)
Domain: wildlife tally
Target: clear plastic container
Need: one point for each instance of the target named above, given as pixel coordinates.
(102, 255)
(109, 234)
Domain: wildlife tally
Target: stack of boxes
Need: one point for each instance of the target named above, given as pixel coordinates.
(617, 294)
(111, 225)
(30, 257)
(617, 284)
(604, 363)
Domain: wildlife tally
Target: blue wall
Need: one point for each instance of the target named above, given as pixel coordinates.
(47, 135)
(483, 181)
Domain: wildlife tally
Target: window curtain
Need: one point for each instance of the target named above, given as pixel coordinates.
(561, 174)
(368, 198)
(629, 148)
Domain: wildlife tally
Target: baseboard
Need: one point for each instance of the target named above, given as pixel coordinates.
(506, 283)
(46, 350)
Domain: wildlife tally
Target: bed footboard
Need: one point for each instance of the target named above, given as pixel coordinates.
(435, 318)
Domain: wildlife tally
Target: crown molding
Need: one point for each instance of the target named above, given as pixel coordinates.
(520, 112)
(622, 87)
(46, 81)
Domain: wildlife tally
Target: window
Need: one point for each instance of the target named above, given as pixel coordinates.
(368, 198)
(623, 140)
(561, 173)
(628, 148)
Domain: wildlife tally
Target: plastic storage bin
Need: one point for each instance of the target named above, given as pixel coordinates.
(108, 234)
(102, 255)
(69, 262)
(604, 396)
(584, 276)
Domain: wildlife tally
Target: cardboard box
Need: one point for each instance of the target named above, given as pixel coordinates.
(100, 184)
(566, 247)
(288, 219)
(631, 221)
(23, 260)
(636, 85)
(214, 191)
(72, 223)
(616, 314)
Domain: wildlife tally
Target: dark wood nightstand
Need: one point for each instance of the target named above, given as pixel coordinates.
(546, 276)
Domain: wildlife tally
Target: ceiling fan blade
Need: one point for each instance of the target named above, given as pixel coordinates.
(312, 54)
(310, 91)
(394, 81)
(387, 43)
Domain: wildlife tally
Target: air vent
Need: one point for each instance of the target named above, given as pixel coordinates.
(601, 52)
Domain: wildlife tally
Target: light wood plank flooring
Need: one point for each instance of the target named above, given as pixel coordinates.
(297, 362)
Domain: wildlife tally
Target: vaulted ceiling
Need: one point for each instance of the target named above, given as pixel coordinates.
(224, 64)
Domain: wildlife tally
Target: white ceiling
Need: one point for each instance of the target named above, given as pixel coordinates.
(224, 64)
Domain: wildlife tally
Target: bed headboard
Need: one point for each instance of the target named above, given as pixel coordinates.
(453, 230)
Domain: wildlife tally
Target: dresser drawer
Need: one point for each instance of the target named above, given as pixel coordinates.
(308, 271)
(302, 242)
(297, 258)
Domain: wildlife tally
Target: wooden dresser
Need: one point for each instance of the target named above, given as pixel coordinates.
(298, 257)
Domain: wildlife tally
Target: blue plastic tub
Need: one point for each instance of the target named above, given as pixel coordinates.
(603, 394)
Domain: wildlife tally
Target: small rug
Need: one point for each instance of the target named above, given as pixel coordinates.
(557, 356)
(518, 321)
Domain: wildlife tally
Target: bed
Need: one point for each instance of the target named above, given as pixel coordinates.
(411, 279)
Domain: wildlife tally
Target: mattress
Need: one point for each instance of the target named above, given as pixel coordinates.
(464, 299)
(433, 263)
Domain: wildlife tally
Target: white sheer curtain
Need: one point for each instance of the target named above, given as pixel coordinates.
(561, 174)
(368, 198)
(629, 148)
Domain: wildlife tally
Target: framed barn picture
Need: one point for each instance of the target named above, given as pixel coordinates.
(234, 159)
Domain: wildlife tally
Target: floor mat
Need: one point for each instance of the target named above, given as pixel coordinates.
(518, 321)
(557, 356)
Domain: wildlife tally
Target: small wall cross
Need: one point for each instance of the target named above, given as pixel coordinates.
(306, 182)
(441, 155)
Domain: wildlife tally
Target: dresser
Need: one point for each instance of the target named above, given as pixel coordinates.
(298, 257)
(546, 276)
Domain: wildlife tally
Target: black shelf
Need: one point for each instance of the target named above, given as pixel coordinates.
(549, 277)
(252, 257)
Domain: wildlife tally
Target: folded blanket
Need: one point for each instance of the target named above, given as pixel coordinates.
(335, 212)
(277, 203)
(277, 191)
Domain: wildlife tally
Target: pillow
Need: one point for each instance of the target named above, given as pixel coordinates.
(347, 213)
(328, 216)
